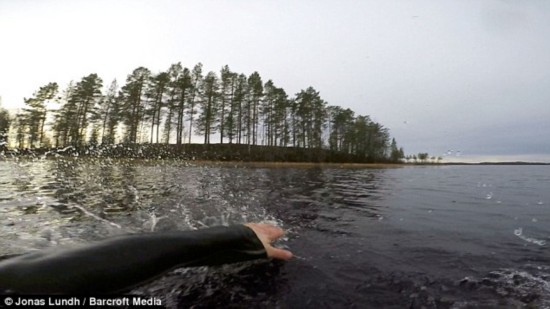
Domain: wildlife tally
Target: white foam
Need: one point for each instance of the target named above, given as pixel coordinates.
(519, 233)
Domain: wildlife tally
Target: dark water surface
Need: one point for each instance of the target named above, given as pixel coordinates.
(411, 237)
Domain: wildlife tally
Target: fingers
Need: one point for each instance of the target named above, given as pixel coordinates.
(272, 232)
(280, 254)
(267, 234)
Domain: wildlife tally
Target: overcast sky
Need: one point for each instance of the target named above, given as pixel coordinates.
(447, 77)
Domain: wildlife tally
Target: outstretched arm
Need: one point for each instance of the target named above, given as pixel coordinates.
(121, 263)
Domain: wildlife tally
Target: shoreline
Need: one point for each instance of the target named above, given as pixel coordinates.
(272, 164)
(231, 155)
(205, 152)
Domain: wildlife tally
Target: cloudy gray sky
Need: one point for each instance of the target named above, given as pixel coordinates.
(447, 77)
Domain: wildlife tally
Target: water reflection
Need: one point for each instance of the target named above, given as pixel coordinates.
(363, 236)
(134, 196)
(327, 192)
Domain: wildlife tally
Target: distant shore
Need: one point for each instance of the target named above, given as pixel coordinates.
(281, 164)
(234, 155)
(205, 152)
(497, 163)
(355, 165)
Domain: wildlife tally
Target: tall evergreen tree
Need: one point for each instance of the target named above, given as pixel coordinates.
(108, 114)
(379, 144)
(65, 117)
(174, 73)
(227, 91)
(294, 127)
(133, 102)
(341, 127)
(255, 92)
(206, 123)
(274, 111)
(240, 103)
(311, 114)
(185, 91)
(281, 118)
(155, 93)
(85, 99)
(370, 139)
(5, 122)
(318, 123)
(396, 154)
(267, 111)
(196, 80)
(35, 113)
(21, 126)
(230, 119)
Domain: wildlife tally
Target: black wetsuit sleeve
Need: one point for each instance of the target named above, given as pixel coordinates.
(118, 264)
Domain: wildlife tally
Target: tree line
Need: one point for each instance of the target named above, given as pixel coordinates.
(170, 106)
(5, 122)
(423, 157)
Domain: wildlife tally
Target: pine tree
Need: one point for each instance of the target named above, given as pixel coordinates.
(84, 99)
(227, 91)
(5, 122)
(185, 91)
(36, 111)
(341, 126)
(311, 114)
(281, 117)
(108, 114)
(396, 154)
(255, 93)
(209, 102)
(196, 80)
(274, 112)
(267, 111)
(133, 102)
(64, 117)
(174, 73)
(239, 107)
(229, 123)
(155, 94)
(21, 126)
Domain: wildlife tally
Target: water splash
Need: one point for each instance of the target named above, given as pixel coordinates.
(65, 149)
(519, 233)
(521, 284)
(153, 220)
(88, 213)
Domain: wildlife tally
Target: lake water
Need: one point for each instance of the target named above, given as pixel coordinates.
(410, 237)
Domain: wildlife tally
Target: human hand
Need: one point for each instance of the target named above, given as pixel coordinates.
(267, 234)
